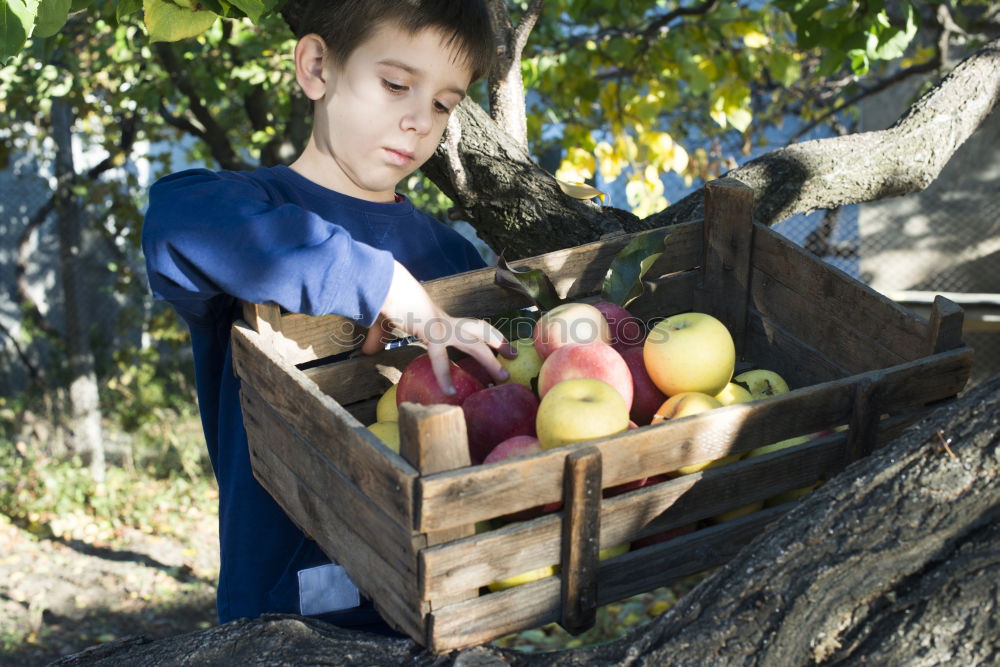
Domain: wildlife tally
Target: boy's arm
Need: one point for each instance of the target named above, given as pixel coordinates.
(408, 307)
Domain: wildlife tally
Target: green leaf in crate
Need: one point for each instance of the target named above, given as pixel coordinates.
(532, 283)
(515, 324)
(623, 282)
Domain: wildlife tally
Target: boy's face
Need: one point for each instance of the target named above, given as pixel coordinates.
(384, 111)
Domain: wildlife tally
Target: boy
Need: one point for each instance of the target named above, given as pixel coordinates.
(326, 235)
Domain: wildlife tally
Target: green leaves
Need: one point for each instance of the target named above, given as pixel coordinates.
(167, 22)
(51, 17)
(532, 283)
(623, 282)
(17, 18)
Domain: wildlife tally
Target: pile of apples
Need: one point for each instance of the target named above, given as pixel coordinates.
(590, 371)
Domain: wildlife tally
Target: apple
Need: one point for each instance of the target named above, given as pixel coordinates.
(525, 366)
(476, 370)
(733, 393)
(785, 444)
(626, 330)
(495, 414)
(690, 352)
(569, 323)
(646, 396)
(387, 432)
(580, 409)
(523, 578)
(595, 360)
(386, 409)
(417, 384)
(614, 552)
(762, 383)
(749, 508)
(521, 445)
(684, 405)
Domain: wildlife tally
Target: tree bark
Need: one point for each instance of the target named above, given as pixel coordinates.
(894, 561)
(85, 411)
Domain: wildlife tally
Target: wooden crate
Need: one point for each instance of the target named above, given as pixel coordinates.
(404, 525)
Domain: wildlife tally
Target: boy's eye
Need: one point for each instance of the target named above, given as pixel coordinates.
(393, 87)
(441, 108)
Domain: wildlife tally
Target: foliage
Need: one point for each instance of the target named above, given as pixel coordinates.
(59, 498)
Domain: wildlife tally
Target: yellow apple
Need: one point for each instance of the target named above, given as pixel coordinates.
(684, 405)
(525, 366)
(386, 409)
(785, 444)
(523, 578)
(615, 551)
(567, 323)
(690, 352)
(580, 409)
(388, 433)
(762, 383)
(733, 393)
(738, 512)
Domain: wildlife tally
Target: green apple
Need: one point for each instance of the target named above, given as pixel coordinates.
(386, 409)
(580, 409)
(733, 393)
(525, 366)
(778, 446)
(615, 551)
(388, 433)
(762, 383)
(690, 352)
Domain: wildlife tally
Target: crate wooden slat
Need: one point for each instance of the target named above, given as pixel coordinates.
(403, 524)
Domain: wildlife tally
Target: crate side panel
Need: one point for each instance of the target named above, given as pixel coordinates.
(665, 296)
(662, 564)
(484, 492)
(479, 620)
(835, 294)
(521, 547)
(358, 378)
(770, 346)
(829, 326)
(270, 436)
(382, 476)
(392, 588)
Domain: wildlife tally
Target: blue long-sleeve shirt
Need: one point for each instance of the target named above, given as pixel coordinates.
(212, 239)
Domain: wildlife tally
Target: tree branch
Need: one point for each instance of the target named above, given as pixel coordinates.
(851, 169)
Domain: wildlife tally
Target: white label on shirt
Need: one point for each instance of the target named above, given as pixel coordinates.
(326, 588)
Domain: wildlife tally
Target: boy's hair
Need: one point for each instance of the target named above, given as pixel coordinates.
(346, 24)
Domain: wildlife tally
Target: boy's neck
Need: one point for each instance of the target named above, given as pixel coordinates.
(314, 166)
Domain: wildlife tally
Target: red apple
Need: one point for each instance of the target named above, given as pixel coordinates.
(646, 396)
(573, 322)
(521, 445)
(495, 414)
(417, 384)
(595, 360)
(626, 330)
(476, 370)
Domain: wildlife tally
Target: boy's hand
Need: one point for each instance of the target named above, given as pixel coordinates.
(409, 308)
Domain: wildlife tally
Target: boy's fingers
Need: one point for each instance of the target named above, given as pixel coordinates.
(483, 354)
(441, 366)
(376, 338)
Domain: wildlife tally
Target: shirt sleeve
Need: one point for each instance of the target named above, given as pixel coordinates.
(206, 235)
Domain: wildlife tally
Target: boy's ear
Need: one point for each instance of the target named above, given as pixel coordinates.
(310, 56)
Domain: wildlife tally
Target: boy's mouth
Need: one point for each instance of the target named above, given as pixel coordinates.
(399, 157)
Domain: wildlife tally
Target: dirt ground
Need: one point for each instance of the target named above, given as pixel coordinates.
(59, 596)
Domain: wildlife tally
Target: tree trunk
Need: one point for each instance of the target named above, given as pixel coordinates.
(85, 412)
(894, 561)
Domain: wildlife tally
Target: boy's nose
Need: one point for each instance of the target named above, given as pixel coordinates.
(418, 119)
